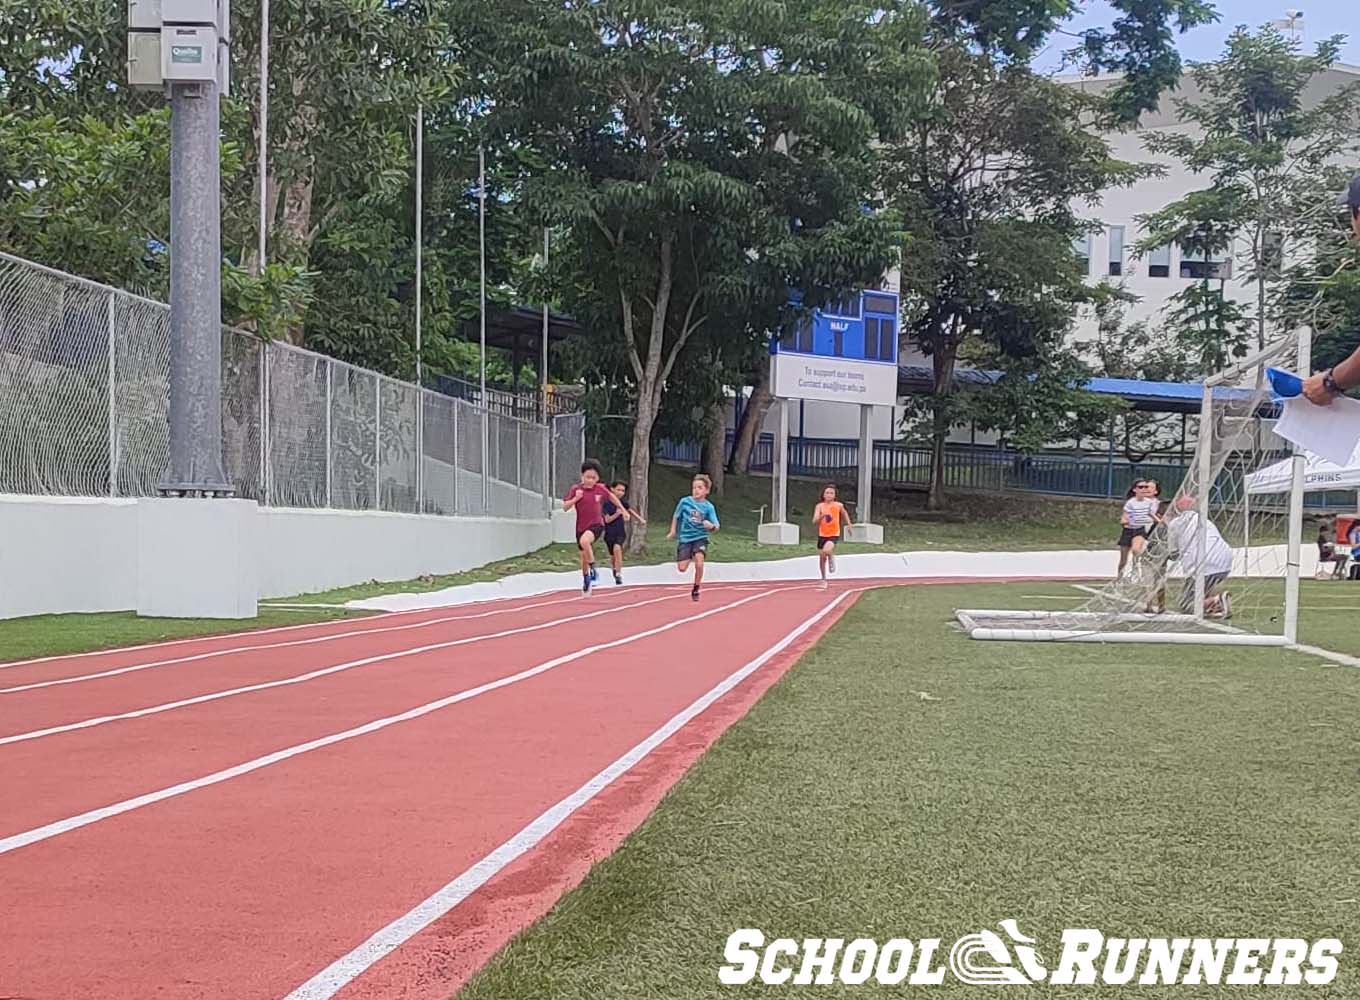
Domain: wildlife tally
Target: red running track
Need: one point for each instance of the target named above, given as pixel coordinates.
(366, 809)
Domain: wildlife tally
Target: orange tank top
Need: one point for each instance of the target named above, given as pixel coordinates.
(829, 519)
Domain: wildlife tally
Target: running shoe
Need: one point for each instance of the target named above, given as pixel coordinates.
(823, 586)
(594, 574)
(694, 593)
(585, 584)
(618, 579)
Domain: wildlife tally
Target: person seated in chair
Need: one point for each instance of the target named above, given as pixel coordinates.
(1327, 553)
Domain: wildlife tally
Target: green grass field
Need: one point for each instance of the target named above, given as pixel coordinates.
(56, 635)
(903, 780)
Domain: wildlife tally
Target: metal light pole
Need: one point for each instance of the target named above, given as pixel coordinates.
(263, 235)
(420, 275)
(481, 241)
(543, 361)
(195, 467)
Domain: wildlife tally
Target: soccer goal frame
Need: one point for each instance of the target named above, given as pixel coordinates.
(1194, 628)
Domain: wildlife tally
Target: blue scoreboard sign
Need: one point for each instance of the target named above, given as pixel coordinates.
(843, 353)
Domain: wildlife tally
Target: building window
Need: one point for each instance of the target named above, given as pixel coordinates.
(1159, 262)
(1196, 266)
(1081, 248)
(879, 336)
(1116, 255)
(798, 339)
(879, 303)
(849, 308)
(1272, 252)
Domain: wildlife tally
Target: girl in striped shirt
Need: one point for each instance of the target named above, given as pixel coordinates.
(1137, 520)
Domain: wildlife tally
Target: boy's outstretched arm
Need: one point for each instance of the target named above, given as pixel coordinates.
(675, 525)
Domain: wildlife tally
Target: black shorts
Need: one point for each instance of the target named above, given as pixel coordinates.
(595, 529)
(611, 538)
(686, 551)
(824, 540)
(1127, 536)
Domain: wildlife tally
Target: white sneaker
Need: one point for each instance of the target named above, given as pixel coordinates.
(823, 586)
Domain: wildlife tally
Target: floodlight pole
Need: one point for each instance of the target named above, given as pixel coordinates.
(481, 245)
(420, 277)
(195, 467)
(263, 235)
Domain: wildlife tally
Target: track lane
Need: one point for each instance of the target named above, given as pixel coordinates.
(30, 713)
(319, 851)
(70, 773)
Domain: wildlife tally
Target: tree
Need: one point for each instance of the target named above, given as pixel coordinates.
(1205, 224)
(697, 154)
(1266, 155)
(1135, 351)
(985, 182)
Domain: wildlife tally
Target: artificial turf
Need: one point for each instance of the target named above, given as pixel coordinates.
(905, 781)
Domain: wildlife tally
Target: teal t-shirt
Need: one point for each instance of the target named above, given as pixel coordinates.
(690, 515)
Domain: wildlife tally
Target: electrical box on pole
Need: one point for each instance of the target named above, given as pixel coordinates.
(178, 41)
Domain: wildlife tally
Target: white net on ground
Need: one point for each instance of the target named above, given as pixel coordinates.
(1214, 567)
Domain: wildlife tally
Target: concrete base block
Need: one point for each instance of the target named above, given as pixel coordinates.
(564, 526)
(865, 534)
(777, 533)
(196, 558)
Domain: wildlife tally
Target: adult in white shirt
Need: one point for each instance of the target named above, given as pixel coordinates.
(1216, 564)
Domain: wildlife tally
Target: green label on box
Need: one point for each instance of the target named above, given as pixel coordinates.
(186, 54)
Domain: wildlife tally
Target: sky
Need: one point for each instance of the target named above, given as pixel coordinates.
(1321, 19)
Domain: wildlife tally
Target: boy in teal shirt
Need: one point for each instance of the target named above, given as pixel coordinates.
(695, 519)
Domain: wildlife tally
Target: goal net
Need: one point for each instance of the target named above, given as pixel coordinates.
(1221, 565)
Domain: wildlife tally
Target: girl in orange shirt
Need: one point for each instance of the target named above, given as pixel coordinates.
(829, 516)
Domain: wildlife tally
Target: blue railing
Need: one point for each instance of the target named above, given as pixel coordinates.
(1107, 477)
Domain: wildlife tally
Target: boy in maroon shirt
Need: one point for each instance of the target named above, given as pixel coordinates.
(588, 498)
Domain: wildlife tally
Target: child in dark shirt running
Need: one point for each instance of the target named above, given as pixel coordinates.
(588, 498)
(617, 513)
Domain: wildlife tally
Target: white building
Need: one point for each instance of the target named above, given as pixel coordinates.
(1154, 278)
(1158, 276)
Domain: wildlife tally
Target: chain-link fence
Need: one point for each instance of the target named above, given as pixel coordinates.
(85, 388)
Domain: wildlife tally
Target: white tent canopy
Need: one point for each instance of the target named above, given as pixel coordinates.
(1319, 475)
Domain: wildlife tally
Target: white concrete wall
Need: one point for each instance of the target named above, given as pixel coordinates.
(66, 554)
(62, 554)
(309, 550)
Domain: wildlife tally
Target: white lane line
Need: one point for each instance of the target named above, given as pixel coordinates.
(335, 637)
(1326, 654)
(339, 974)
(312, 675)
(58, 827)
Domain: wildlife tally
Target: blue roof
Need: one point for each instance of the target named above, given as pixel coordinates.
(1168, 397)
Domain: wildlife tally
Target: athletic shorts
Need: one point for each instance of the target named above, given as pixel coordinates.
(1127, 536)
(595, 529)
(612, 538)
(686, 551)
(824, 540)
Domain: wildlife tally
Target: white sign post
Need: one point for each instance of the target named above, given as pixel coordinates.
(844, 354)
